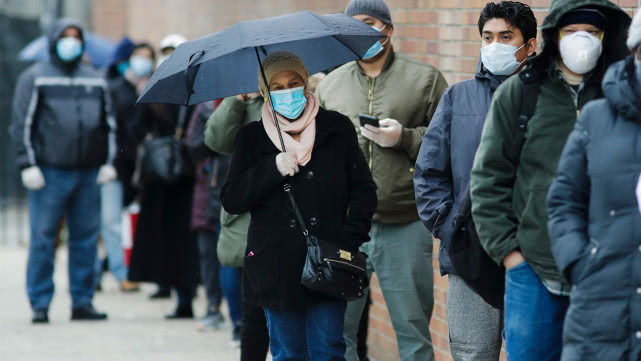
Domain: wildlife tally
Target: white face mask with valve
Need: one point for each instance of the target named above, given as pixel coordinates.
(500, 59)
(580, 51)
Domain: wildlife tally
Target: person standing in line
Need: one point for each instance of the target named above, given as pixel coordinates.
(221, 129)
(594, 223)
(509, 194)
(125, 78)
(334, 190)
(205, 218)
(403, 93)
(65, 133)
(508, 39)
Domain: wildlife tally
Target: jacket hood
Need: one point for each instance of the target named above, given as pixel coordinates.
(484, 74)
(622, 90)
(55, 31)
(614, 41)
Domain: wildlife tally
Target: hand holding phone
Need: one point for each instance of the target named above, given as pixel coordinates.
(368, 119)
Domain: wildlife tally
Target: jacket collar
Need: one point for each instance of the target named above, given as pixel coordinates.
(483, 74)
(388, 63)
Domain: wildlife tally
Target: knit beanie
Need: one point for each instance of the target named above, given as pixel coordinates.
(374, 8)
(277, 62)
(634, 37)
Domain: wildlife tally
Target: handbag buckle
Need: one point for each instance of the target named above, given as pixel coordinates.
(345, 255)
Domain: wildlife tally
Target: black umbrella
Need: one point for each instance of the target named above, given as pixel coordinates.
(226, 63)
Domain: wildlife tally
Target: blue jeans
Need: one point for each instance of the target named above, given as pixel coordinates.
(230, 285)
(312, 333)
(533, 317)
(111, 230)
(74, 195)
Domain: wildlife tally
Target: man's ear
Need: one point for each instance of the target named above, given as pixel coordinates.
(531, 47)
(390, 31)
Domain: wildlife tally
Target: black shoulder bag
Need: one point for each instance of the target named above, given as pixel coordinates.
(328, 269)
(165, 159)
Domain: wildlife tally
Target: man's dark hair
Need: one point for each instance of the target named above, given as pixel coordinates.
(145, 45)
(514, 13)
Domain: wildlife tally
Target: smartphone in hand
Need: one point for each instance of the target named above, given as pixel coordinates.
(368, 119)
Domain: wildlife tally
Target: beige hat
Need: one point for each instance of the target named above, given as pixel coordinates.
(277, 62)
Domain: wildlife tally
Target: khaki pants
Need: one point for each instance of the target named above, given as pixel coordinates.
(401, 256)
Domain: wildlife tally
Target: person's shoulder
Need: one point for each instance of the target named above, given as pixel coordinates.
(338, 75)
(334, 120)
(414, 64)
(251, 129)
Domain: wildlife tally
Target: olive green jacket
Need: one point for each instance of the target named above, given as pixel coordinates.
(509, 199)
(220, 132)
(408, 91)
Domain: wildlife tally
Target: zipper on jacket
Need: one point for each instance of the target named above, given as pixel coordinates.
(329, 260)
(370, 98)
(575, 94)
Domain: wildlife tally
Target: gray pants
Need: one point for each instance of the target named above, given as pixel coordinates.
(401, 256)
(474, 326)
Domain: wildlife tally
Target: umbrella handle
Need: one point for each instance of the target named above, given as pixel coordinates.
(190, 79)
(271, 103)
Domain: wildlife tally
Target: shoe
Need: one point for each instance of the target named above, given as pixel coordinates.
(129, 287)
(212, 321)
(87, 313)
(40, 316)
(235, 336)
(161, 293)
(181, 312)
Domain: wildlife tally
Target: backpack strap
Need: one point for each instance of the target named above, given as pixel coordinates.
(529, 98)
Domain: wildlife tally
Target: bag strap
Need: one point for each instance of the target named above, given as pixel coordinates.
(529, 98)
(299, 215)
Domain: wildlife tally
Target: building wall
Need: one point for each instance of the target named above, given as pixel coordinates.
(439, 32)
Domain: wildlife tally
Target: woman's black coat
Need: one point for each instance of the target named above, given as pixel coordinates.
(335, 192)
(595, 225)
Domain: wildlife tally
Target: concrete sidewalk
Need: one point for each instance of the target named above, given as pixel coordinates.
(136, 329)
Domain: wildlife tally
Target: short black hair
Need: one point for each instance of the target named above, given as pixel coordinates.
(514, 13)
(145, 45)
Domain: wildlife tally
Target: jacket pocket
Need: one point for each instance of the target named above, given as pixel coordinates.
(532, 234)
(582, 266)
(261, 267)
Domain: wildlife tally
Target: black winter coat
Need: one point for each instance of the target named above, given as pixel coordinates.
(335, 192)
(445, 160)
(595, 225)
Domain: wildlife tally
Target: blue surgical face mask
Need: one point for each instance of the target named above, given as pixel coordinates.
(289, 103)
(122, 67)
(377, 47)
(69, 49)
(141, 66)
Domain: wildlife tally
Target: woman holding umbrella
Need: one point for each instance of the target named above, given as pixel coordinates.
(334, 190)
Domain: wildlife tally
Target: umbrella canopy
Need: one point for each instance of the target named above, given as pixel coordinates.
(99, 49)
(227, 62)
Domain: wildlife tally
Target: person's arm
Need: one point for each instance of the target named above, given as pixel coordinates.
(568, 200)
(110, 119)
(247, 183)
(433, 182)
(494, 173)
(223, 125)
(25, 105)
(362, 200)
(411, 138)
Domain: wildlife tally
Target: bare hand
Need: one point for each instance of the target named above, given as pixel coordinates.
(287, 164)
(513, 259)
(387, 136)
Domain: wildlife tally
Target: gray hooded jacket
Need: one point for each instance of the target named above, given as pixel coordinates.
(62, 114)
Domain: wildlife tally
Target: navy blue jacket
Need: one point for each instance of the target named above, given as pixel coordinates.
(62, 113)
(447, 153)
(595, 225)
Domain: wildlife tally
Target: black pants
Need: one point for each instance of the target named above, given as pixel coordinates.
(254, 336)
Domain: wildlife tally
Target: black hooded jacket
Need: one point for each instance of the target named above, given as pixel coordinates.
(62, 114)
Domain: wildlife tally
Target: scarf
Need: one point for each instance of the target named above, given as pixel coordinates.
(305, 125)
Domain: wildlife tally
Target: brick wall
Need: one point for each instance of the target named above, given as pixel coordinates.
(439, 32)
